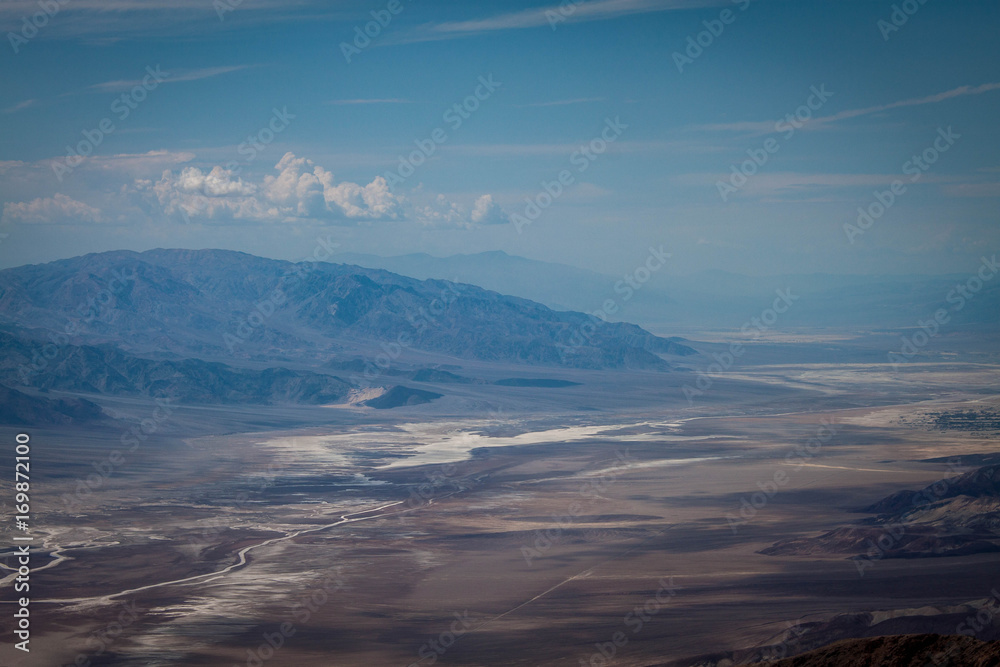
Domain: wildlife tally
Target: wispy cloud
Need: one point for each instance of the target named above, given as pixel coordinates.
(595, 10)
(767, 126)
(559, 103)
(388, 100)
(174, 77)
(527, 150)
(804, 187)
(112, 21)
(973, 190)
(20, 105)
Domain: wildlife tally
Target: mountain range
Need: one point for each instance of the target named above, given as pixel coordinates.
(708, 298)
(214, 326)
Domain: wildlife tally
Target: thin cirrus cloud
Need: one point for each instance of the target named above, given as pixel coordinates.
(561, 103)
(766, 127)
(20, 105)
(386, 100)
(124, 19)
(783, 187)
(596, 10)
(511, 150)
(174, 77)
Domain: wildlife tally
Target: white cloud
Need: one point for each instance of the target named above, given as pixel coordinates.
(9, 165)
(216, 183)
(767, 127)
(311, 190)
(384, 100)
(567, 149)
(114, 20)
(171, 77)
(51, 210)
(147, 163)
(485, 211)
(300, 190)
(560, 103)
(20, 105)
(146, 187)
(595, 10)
(799, 187)
(443, 213)
(973, 190)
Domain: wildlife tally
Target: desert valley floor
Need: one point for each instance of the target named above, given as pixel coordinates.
(506, 525)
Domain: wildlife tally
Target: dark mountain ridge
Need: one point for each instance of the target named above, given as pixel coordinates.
(226, 304)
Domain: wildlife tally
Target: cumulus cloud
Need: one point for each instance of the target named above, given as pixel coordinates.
(487, 212)
(149, 162)
(300, 190)
(444, 213)
(213, 196)
(146, 187)
(216, 183)
(51, 210)
(440, 212)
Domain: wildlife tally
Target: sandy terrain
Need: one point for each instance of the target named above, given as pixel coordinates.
(516, 538)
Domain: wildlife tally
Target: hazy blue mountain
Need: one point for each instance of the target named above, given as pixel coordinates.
(709, 298)
(107, 370)
(20, 409)
(232, 307)
(558, 286)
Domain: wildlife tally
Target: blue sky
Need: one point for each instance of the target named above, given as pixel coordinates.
(177, 167)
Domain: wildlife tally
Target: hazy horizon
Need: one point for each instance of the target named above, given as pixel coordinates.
(337, 258)
(266, 125)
